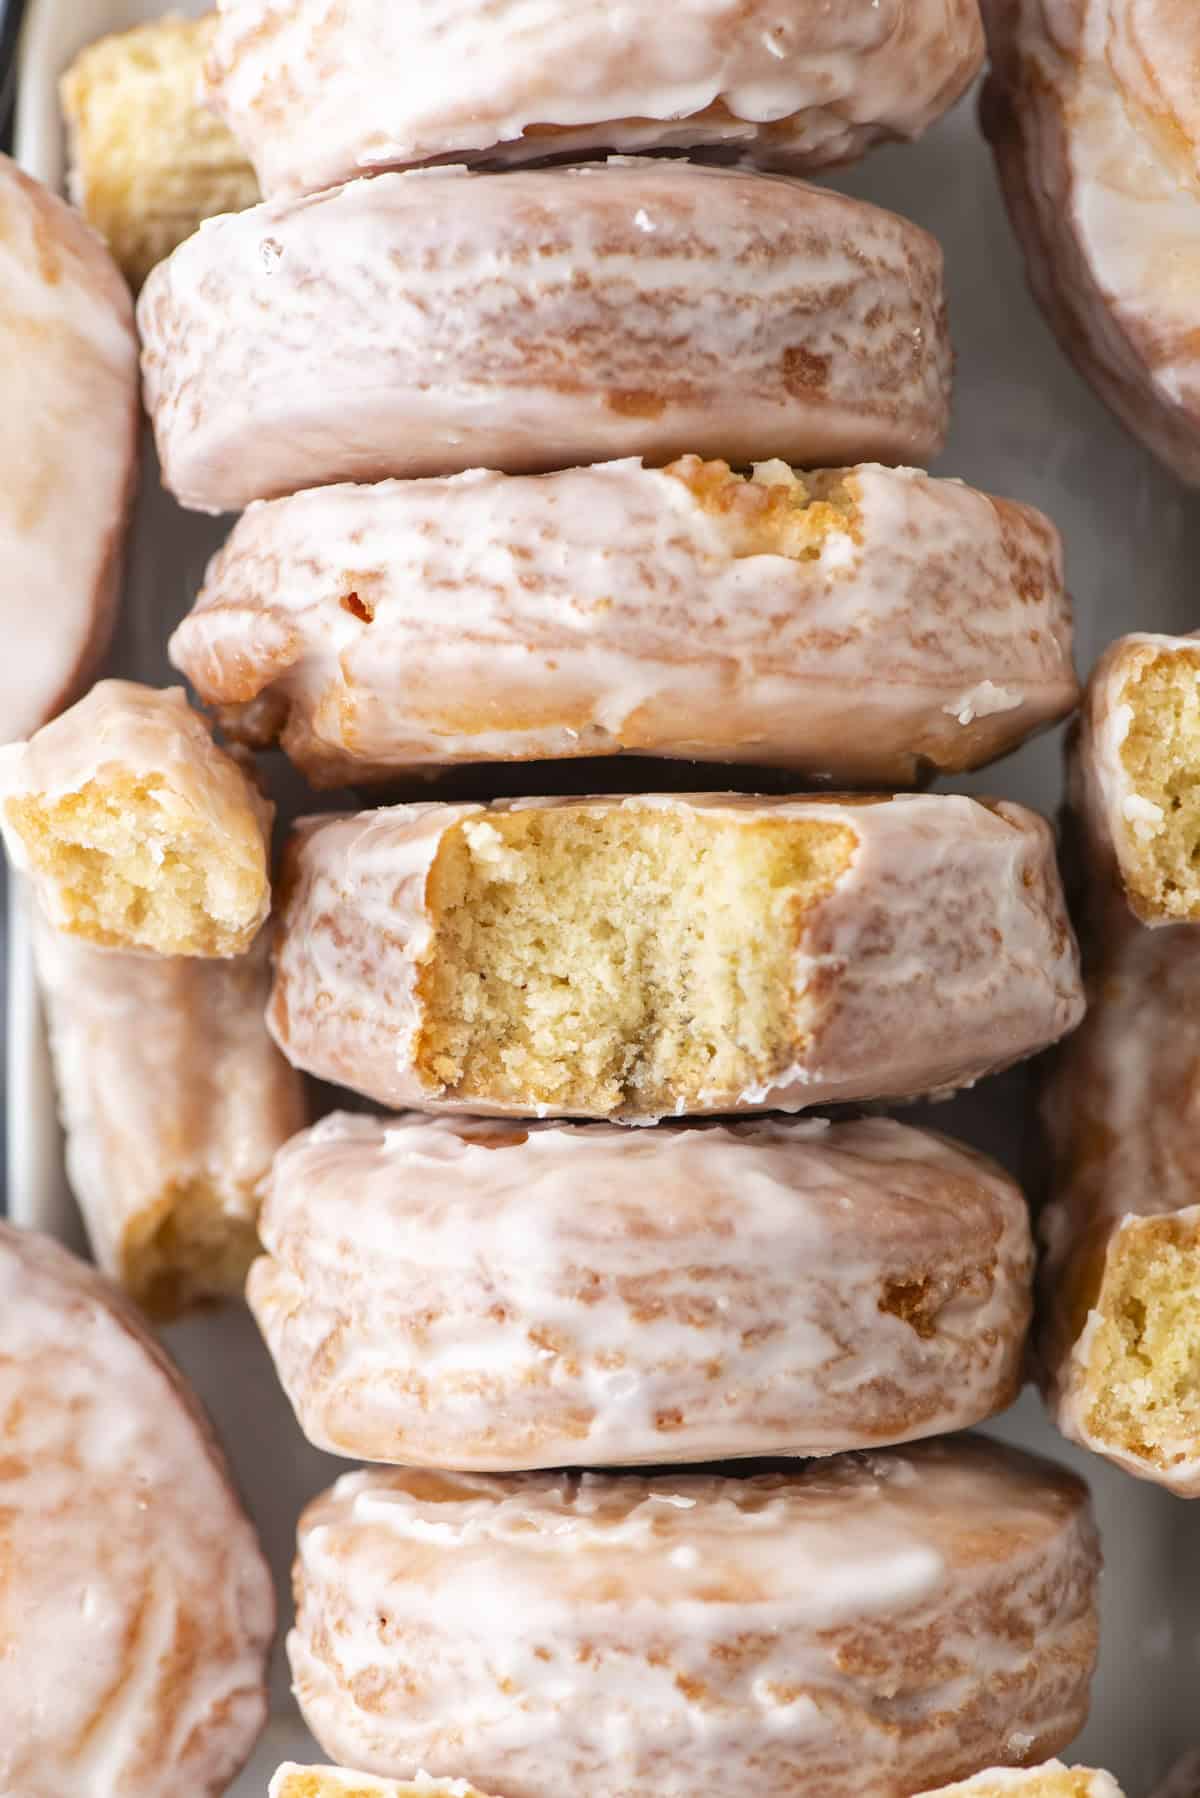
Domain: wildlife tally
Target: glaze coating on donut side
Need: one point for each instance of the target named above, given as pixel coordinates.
(320, 93)
(429, 323)
(136, 1609)
(452, 1293)
(68, 448)
(659, 954)
(685, 612)
(797, 1630)
(1094, 116)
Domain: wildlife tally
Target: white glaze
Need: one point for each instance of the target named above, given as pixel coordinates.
(68, 440)
(874, 1623)
(608, 609)
(465, 1295)
(319, 92)
(1094, 113)
(136, 1609)
(428, 323)
(166, 1078)
(123, 731)
(943, 953)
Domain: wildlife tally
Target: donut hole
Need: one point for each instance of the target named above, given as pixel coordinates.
(1144, 1365)
(1161, 760)
(775, 510)
(688, 995)
(134, 866)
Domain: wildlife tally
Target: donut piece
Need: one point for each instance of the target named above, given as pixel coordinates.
(1121, 1312)
(660, 954)
(292, 1781)
(787, 1631)
(174, 1100)
(1136, 779)
(136, 1609)
(1051, 1781)
(1093, 111)
(68, 449)
(686, 612)
(149, 159)
(1184, 1779)
(453, 1293)
(137, 831)
(319, 94)
(430, 323)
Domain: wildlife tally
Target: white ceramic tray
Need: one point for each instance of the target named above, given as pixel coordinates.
(1026, 427)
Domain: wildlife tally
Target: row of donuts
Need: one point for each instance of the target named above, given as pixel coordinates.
(937, 869)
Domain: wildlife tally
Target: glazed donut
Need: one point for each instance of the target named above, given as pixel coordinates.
(663, 955)
(137, 831)
(69, 397)
(318, 98)
(876, 1623)
(1121, 1273)
(1051, 1781)
(1135, 775)
(430, 323)
(292, 1781)
(174, 1099)
(135, 1606)
(683, 612)
(453, 1293)
(1093, 111)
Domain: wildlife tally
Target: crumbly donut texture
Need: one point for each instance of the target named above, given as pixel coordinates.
(431, 323)
(68, 449)
(454, 1293)
(793, 1630)
(1094, 114)
(1051, 1781)
(1137, 782)
(174, 1099)
(292, 1781)
(136, 1609)
(659, 955)
(320, 93)
(149, 160)
(137, 831)
(689, 612)
(1121, 1314)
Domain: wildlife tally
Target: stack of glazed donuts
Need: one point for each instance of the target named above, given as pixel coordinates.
(583, 451)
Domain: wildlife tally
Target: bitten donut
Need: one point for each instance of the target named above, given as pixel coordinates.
(877, 1623)
(449, 1293)
(68, 454)
(1051, 1781)
(1093, 110)
(429, 323)
(136, 1609)
(138, 833)
(686, 611)
(319, 93)
(292, 1781)
(1121, 1313)
(655, 955)
(174, 1099)
(1135, 774)
(149, 159)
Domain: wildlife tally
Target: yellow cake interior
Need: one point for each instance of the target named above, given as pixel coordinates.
(1038, 1782)
(1161, 757)
(132, 869)
(190, 1245)
(627, 958)
(1144, 1368)
(319, 1782)
(775, 510)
